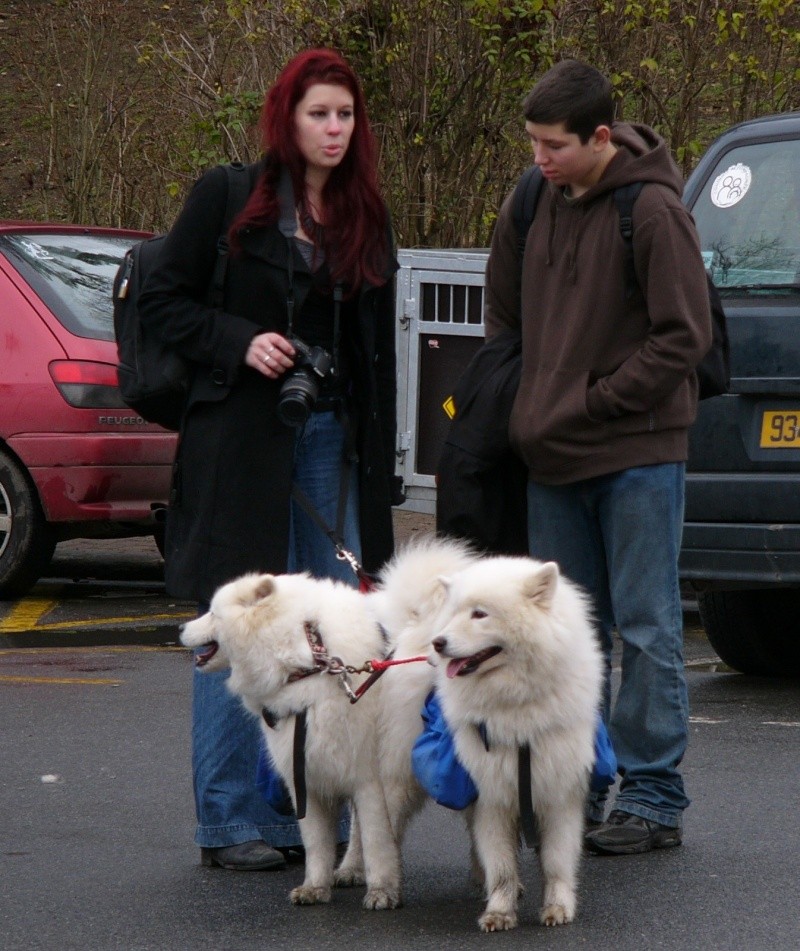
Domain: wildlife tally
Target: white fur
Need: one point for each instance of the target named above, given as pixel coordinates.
(407, 602)
(542, 688)
(258, 623)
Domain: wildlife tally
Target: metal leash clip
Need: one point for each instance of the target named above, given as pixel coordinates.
(336, 666)
(344, 554)
(344, 682)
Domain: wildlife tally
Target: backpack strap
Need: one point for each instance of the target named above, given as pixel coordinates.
(287, 225)
(624, 197)
(240, 184)
(526, 197)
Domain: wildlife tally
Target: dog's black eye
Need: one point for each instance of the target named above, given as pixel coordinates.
(477, 614)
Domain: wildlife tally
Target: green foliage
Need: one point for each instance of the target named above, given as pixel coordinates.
(115, 132)
(232, 116)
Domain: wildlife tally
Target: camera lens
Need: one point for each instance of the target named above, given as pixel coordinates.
(297, 397)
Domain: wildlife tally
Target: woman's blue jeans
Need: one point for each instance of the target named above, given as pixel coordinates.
(226, 739)
(619, 537)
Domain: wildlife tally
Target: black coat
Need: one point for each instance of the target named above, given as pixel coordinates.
(481, 483)
(229, 506)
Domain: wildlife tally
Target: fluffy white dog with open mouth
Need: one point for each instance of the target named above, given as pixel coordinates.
(519, 676)
(288, 640)
(292, 642)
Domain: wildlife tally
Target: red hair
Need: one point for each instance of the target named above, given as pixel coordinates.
(356, 221)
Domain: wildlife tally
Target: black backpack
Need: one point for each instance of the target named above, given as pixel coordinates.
(480, 480)
(154, 380)
(714, 370)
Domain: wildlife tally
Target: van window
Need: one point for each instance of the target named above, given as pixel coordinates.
(748, 217)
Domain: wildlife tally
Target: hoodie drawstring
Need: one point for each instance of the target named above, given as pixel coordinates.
(575, 237)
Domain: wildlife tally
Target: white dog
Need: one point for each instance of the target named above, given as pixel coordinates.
(288, 640)
(267, 629)
(518, 659)
(408, 602)
(521, 664)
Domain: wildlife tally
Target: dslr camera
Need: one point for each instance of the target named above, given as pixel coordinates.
(301, 387)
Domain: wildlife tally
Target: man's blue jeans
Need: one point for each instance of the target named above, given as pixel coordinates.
(226, 738)
(619, 536)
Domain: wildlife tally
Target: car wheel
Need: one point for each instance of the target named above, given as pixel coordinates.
(754, 631)
(159, 538)
(26, 540)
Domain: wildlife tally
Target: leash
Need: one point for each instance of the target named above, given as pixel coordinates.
(333, 665)
(299, 764)
(365, 580)
(526, 814)
(377, 668)
(324, 663)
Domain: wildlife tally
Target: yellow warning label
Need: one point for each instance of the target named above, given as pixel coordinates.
(449, 407)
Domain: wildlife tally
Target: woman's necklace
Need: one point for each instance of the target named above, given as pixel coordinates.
(312, 228)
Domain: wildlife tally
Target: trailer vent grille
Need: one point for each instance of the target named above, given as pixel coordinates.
(452, 303)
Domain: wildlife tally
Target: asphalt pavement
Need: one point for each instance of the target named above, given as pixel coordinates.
(96, 847)
(111, 591)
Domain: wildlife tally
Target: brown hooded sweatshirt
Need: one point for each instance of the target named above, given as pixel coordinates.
(607, 380)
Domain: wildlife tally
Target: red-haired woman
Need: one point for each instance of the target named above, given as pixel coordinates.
(311, 260)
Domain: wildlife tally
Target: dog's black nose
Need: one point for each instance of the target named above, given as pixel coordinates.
(439, 644)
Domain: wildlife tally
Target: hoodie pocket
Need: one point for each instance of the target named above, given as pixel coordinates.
(551, 404)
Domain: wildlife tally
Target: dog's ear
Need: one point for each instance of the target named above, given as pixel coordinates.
(540, 585)
(445, 582)
(264, 587)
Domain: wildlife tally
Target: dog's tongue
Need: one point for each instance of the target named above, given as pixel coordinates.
(455, 667)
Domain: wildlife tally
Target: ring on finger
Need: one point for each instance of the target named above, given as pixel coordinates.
(267, 358)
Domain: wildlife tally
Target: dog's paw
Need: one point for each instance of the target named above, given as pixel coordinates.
(555, 915)
(349, 877)
(382, 899)
(497, 921)
(310, 895)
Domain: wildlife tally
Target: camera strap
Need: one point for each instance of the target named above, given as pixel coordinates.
(287, 225)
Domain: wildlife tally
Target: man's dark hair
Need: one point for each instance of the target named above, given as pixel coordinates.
(573, 93)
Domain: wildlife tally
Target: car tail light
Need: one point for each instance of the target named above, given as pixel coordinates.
(87, 385)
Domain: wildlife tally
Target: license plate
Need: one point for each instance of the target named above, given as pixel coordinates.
(780, 429)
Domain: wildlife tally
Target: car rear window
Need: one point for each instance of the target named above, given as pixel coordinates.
(748, 217)
(72, 273)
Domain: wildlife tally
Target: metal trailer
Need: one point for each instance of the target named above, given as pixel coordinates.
(440, 309)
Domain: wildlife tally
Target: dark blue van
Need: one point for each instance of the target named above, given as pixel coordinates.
(741, 544)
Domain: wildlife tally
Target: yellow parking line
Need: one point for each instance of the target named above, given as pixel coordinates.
(103, 622)
(21, 679)
(104, 649)
(26, 613)
(24, 618)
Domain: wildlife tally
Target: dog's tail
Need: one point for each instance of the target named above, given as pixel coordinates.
(409, 588)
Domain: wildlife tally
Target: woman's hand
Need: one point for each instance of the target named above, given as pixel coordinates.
(270, 354)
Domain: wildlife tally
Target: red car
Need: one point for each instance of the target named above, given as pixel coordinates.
(75, 462)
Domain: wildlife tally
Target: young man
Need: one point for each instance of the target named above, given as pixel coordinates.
(607, 394)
